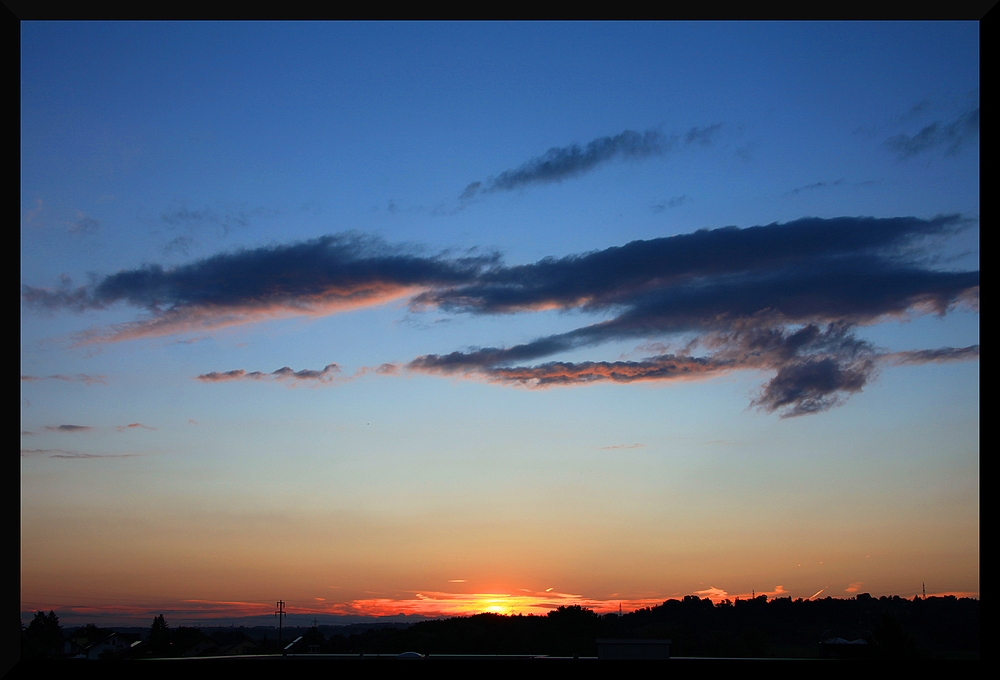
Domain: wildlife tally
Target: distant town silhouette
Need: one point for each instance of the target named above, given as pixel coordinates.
(863, 626)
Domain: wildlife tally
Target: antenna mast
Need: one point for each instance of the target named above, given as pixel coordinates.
(280, 614)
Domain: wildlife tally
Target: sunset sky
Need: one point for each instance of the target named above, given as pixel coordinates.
(445, 318)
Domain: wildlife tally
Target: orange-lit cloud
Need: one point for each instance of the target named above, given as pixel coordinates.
(712, 593)
(463, 604)
(668, 367)
(326, 275)
(816, 366)
(769, 297)
(717, 595)
(210, 318)
(854, 587)
(133, 426)
(778, 591)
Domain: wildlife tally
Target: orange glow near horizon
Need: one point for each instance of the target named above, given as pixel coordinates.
(425, 604)
(465, 604)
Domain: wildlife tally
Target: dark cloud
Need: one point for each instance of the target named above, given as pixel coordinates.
(224, 376)
(816, 365)
(813, 386)
(68, 428)
(953, 136)
(559, 163)
(286, 373)
(283, 373)
(328, 274)
(782, 298)
(789, 268)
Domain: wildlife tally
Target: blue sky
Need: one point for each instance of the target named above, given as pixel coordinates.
(200, 199)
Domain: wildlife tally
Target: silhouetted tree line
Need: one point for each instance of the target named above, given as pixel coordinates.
(892, 627)
(938, 627)
(42, 638)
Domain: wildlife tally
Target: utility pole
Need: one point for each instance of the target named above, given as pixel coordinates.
(280, 614)
(923, 587)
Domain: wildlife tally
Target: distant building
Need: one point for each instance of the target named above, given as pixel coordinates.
(115, 644)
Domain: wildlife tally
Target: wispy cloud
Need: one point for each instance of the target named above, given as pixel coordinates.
(79, 377)
(84, 224)
(622, 446)
(952, 136)
(70, 455)
(563, 162)
(42, 452)
(227, 218)
(934, 356)
(670, 203)
(817, 185)
(133, 426)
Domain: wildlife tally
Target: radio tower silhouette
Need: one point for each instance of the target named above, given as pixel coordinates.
(280, 614)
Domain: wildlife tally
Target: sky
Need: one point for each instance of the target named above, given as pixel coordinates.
(440, 318)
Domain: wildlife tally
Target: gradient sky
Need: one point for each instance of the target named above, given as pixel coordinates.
(438, 318)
